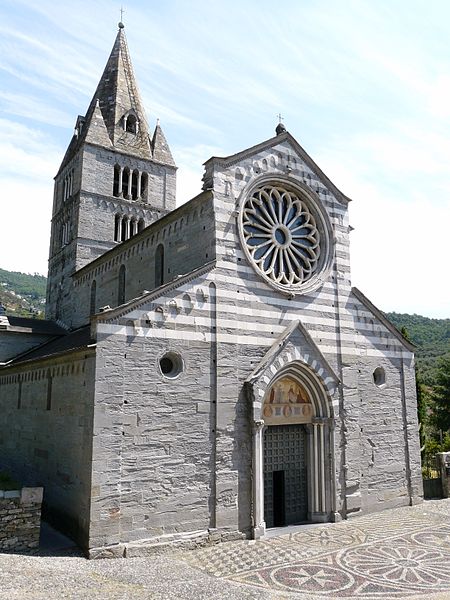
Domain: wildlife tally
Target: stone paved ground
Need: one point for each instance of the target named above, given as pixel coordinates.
(402, 553)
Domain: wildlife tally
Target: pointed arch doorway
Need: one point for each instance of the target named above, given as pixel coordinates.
(293, 452)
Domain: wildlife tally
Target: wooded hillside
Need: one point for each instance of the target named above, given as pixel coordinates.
(22, 294)
(432, 338)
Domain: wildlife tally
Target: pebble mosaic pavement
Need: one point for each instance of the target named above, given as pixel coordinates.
(400, 553)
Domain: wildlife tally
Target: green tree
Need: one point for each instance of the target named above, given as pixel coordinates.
(440, 396)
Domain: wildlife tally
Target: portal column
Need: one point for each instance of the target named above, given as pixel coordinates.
(259, 525)
(319, 511)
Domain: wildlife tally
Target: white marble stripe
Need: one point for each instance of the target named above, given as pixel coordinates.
(383, 335)
(344, 261)
(225, 205)
(250, 326)
(281, 301)
(341, 245)
(239, 280)
(234, 268)
(240, 340)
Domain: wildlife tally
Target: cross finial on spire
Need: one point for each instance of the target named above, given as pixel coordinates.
(280, 128)
(121, 25)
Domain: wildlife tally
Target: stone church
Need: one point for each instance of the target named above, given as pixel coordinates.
(204, 372)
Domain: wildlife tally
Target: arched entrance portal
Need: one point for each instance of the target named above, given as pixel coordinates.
(287, 408)
(293, 452)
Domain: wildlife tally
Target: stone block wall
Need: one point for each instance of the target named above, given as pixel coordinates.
(20, 520)
(188, 238)
(98, 176)
(153, 441)
(46, 414)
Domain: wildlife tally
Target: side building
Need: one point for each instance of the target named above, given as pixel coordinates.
(214, 373)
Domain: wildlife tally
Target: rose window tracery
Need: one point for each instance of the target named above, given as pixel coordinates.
(281, 237)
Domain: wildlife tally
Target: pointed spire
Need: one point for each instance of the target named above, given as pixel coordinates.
(160, 147)
(116, 115)
(118, 96)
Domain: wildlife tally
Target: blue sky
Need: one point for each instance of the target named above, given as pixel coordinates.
(364, 87)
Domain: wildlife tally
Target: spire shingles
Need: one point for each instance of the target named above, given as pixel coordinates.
(160, 147)
(116, 101)
(118, 96)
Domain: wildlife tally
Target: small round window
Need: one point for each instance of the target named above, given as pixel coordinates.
(171, 365)
(379, 377)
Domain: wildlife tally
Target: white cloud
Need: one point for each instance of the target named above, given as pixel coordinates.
(190, 170)
(364, 87)
(398, 246)
(34, 108)
(439, 97)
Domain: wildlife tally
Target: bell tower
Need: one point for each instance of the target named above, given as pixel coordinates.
(115, 179)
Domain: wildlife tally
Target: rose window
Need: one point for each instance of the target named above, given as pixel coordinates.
(280, 236)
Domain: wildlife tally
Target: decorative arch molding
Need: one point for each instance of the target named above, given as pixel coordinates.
(294, 353)
(308, 379)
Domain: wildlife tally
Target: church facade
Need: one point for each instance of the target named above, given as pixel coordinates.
(204, 372)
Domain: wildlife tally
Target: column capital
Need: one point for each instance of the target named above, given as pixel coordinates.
(258, 425)
(322, 420)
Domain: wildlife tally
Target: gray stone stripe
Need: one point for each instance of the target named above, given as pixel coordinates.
(254, 289)
(236, 338)
(242, 315)
(237, 268)
(242, 327)
(341, 248)
(334, 209)
(231, 303)
(231, 245)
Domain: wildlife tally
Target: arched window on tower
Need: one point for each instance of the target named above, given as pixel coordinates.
(93, 297)
(116, 185)
(134, 184)
(121, 289)
(141, 225)
(159, 265)
(125, 181)
(144, 186)
(133, 227)
(117, 231)
(124, 229)
(130, 124)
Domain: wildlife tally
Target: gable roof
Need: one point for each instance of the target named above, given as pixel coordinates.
(35, 326)
(75, 340)
(228, 161)
(382, 317)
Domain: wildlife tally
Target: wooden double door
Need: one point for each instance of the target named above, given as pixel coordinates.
(285, 475)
